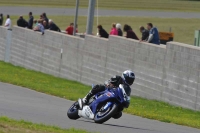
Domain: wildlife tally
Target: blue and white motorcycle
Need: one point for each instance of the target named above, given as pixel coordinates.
(102, 106)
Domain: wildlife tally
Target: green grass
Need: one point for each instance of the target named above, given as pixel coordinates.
(73, 90)
(8, 125)
(162, 5)
(41, 82)
(183, 28)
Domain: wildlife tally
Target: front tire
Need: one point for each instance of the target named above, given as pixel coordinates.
(99, 118)
(72, 113)
(117, 115)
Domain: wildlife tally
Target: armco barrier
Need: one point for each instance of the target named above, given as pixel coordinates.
(167, 73)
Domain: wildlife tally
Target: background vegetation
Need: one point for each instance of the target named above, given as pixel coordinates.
(161, 5)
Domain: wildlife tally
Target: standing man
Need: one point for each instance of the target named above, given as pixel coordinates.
(30, 21)
(153, 34)
(8, 22)
(1, 19)
(145, 33)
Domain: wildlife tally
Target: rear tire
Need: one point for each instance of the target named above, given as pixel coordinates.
(72, 113)
(107, 116)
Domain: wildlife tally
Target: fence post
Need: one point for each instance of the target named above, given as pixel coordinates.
(90, 18)
(170, 29)
(76, 17)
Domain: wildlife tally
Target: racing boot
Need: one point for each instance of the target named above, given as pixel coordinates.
(87, 98)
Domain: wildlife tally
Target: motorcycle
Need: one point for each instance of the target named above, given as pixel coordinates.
(101, 107)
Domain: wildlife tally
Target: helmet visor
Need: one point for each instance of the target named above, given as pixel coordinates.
(128, 80)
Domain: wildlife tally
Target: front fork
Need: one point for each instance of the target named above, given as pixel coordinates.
(107, 105)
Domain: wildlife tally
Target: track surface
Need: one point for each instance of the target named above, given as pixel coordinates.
(21, 103)
(83, 12)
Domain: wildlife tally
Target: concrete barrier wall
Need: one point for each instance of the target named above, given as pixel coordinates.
(3, 35)
(163, 73)
(31, 50)
(181, 77)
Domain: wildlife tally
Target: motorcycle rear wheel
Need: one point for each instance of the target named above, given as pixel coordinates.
(72, 113)
(101, 118)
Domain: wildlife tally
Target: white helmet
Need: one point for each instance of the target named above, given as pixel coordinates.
(129, 77)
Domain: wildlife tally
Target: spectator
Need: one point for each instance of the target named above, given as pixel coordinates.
(70, 29)
(8, 22)
(44, 16)
(45, 25)
(30, 21)
(1, 19)
(53, 26)
(145, 33)
(118, 26)
(39, 27)
(21, 22)
(41, 17)
(35, 23)
(129, 32)
(153, 34)
(113, 30)
(102, 32)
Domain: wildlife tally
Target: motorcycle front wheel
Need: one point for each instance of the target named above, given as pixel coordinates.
(103, 116)
(72, 113)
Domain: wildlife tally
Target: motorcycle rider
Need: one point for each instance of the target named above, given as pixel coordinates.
(126, 80)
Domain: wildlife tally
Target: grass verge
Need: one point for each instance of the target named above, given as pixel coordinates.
(73, 90)
(161, 5)
(183, 29)
(8, 125)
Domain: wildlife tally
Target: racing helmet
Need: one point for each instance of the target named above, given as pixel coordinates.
(129, 77)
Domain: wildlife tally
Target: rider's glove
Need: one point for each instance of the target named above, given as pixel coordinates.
(97, 88)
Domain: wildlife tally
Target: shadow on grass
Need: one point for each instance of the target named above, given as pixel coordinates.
(114, 125)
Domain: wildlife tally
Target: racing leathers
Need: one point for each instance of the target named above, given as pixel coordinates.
(113, 83)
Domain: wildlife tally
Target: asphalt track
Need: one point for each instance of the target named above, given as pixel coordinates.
(21, 103)
(103, 12)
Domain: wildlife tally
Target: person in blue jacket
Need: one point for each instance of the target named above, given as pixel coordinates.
(153, 34)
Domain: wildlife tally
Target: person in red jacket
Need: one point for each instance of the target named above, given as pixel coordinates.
(70, 29)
